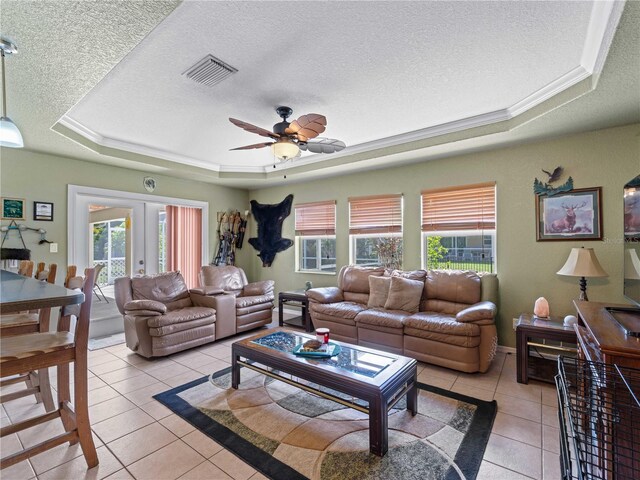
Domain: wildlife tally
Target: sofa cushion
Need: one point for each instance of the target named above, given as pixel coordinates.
(347, 310)
(453, 286)
(181, 315)
(378, 291)
(356, 279)
(404, 294)
(168, 288)
(438, 323)
(381, 317)
(242, 302)
(227, 277)
(410, 274)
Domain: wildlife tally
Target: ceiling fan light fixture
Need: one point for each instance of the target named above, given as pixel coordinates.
(285, 149)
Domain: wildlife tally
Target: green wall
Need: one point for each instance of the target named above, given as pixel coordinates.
(526, 268)
(35, 176)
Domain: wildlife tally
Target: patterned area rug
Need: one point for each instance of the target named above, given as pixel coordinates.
(287, 433)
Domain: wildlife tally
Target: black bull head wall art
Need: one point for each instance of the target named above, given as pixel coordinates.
(269, 219)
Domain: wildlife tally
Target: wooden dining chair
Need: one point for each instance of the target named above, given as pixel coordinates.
(35, 351)
(22, 323)
(25, 268)
(46, 274)
(71, 273)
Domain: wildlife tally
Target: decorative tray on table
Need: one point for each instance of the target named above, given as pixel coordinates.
(326, 351)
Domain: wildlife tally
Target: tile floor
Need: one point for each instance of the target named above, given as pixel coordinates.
(138, 438)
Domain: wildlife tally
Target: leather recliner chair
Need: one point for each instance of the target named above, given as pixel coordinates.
(162, 316)
(253, 302)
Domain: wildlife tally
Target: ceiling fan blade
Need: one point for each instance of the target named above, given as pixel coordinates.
(255, 145)
(310, 125)
(323, 145)
(253, 129)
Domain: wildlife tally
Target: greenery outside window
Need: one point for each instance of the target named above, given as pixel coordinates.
(316, 237)
(375, 231)
(459, 228)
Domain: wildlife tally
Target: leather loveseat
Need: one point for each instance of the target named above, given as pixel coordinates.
(442, 317)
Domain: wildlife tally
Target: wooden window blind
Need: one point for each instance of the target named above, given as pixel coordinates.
(318, 218)
(471, 207)
(375, 214)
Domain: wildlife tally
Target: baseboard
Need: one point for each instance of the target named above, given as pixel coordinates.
(505, 349)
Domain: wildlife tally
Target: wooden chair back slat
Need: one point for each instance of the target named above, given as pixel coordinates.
(71, 272)
(25, 268)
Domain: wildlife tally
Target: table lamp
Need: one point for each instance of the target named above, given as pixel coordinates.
(583, 263)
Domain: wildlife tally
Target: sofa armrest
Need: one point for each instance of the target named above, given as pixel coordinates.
(478, 312)
(145, 307)
(207, 291)
(264, 287)
(325, 295)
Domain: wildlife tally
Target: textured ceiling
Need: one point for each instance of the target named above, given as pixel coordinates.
(375, 69)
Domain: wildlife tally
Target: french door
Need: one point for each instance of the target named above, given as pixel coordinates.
(135, 226)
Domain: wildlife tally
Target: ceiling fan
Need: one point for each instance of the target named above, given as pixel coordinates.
(290, 138)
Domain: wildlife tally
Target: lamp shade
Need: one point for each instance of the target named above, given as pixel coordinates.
(631, 264)
(284, 149)
(582, 262)
(10, 135)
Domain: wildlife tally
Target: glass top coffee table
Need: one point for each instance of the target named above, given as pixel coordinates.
(368, 380)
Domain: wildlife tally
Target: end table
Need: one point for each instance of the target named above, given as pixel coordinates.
(296, 298)
(531, 328)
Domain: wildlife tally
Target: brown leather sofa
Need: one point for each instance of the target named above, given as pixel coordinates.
(443, 317)
(252, 303)
(161, 316)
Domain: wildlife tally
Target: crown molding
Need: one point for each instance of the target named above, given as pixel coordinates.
(605, 16)
(604, 19)
(125, 146)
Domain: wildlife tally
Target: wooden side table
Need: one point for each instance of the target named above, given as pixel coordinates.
(295, 298)
(529, 329)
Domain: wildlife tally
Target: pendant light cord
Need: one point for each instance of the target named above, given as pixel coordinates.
(4, 87)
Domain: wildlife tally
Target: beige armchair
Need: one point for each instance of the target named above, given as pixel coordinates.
(161, 316)
(253, 302)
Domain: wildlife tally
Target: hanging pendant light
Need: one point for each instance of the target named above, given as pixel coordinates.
(10, 135)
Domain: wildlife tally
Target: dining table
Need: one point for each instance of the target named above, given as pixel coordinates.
(18, 293)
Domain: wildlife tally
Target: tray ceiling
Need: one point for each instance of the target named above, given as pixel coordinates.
(397, 81)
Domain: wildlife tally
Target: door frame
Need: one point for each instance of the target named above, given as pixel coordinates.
(78, 221)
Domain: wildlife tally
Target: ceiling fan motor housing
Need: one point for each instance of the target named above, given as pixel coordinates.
(283, 112)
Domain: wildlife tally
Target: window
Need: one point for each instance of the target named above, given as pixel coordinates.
(375, 230)
(459, 227)
(316, 236)
(109, 249)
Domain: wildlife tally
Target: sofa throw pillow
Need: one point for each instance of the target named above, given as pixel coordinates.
(378, 291)
(404, 294)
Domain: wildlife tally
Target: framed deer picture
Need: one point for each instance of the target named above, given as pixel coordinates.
(573, 215)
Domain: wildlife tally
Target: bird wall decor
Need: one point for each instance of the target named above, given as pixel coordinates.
(545, 188)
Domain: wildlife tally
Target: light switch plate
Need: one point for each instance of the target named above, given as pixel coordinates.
(53, 248)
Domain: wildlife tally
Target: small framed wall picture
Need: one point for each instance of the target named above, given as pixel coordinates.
(13, 208)
(43, 211)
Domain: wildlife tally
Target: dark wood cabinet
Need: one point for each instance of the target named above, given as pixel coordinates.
(602, 339)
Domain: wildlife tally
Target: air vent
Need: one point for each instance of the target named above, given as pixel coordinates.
(210, 71)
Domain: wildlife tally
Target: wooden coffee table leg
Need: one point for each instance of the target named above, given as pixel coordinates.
(378, 426)
(412, 397)
(235, 370)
